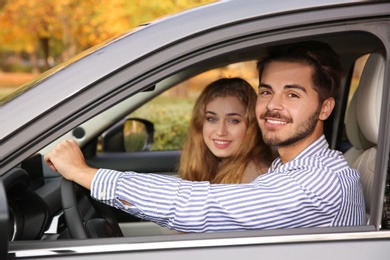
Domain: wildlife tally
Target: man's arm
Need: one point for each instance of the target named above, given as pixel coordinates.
(272, 201)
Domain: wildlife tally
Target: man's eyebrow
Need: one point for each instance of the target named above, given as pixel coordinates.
(262, 85)
(299, 87)
(292, 86)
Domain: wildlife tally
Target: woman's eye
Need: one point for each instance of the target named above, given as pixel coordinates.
(211, 119)
(234, 121)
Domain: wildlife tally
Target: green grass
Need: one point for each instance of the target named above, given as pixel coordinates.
(170, 117)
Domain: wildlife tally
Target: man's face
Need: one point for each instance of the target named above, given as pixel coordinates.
(287, 106)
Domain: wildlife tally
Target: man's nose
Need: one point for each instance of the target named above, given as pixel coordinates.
(275, 103)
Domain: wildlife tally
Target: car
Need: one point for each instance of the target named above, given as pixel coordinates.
(94, 98)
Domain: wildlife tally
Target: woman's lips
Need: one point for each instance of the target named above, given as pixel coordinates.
(221, 144)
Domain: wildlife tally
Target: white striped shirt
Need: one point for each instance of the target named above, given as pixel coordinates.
(315, 189)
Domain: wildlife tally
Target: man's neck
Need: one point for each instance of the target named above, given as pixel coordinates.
(287, 153)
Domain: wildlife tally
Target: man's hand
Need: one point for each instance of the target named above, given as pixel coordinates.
(68, 160)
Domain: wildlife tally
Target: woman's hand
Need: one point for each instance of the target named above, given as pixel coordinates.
(67, 159)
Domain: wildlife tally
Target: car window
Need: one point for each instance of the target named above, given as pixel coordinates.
(170, 112)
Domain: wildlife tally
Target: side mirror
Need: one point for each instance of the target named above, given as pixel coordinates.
(128, 135)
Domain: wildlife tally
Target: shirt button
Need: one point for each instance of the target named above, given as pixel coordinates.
(102, 194)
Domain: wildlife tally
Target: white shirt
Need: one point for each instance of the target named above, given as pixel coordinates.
(315, 189)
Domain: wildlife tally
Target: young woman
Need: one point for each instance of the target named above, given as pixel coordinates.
(224, 143)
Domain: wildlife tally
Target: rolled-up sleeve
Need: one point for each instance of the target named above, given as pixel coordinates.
(139, 190)
(104, 188)
(104, 185)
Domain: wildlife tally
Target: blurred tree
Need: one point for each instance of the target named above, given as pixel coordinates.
(58, 29)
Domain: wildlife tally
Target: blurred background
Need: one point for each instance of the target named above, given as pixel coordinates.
(36, 35)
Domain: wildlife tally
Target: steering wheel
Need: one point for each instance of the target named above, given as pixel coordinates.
(85, 217)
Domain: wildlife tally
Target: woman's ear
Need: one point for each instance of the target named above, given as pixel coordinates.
(327, 108)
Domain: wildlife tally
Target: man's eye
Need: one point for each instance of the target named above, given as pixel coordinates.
(293, 95)
(264, 92)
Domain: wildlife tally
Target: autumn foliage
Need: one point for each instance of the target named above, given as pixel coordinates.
(55, 30)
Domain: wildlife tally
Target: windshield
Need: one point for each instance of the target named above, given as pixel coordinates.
(7, 93)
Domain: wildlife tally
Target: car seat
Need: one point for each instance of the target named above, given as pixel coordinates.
(367, 106)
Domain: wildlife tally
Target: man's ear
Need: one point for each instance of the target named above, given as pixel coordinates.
(327, 108)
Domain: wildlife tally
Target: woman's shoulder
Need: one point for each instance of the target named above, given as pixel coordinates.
(254, 170)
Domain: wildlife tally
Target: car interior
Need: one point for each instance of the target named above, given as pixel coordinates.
(36, 194)
(362, 124)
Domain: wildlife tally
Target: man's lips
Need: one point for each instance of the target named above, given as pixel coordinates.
(275, 121)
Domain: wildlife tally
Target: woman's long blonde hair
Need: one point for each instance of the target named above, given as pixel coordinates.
(198, 163)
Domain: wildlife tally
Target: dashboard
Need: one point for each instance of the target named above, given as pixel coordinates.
(29, 214)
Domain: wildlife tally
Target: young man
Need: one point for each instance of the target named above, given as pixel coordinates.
(309, 185)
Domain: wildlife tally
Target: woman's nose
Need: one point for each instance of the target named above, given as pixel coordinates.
(221, 129)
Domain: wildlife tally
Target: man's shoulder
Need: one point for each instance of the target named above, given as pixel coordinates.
(331, 154)
(321, 153)
(333, 160)
(323, 158)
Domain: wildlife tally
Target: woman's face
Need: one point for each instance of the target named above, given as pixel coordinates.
(224, 126)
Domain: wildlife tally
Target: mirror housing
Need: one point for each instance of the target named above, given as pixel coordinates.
(128, 135)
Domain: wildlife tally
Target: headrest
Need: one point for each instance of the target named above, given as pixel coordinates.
(369, 96)
(354, 134)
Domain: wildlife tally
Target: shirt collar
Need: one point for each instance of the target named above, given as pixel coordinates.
(313, 148)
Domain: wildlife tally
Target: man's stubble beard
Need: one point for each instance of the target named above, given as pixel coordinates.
(305, 129)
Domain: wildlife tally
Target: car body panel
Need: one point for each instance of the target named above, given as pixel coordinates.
(210, 246)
